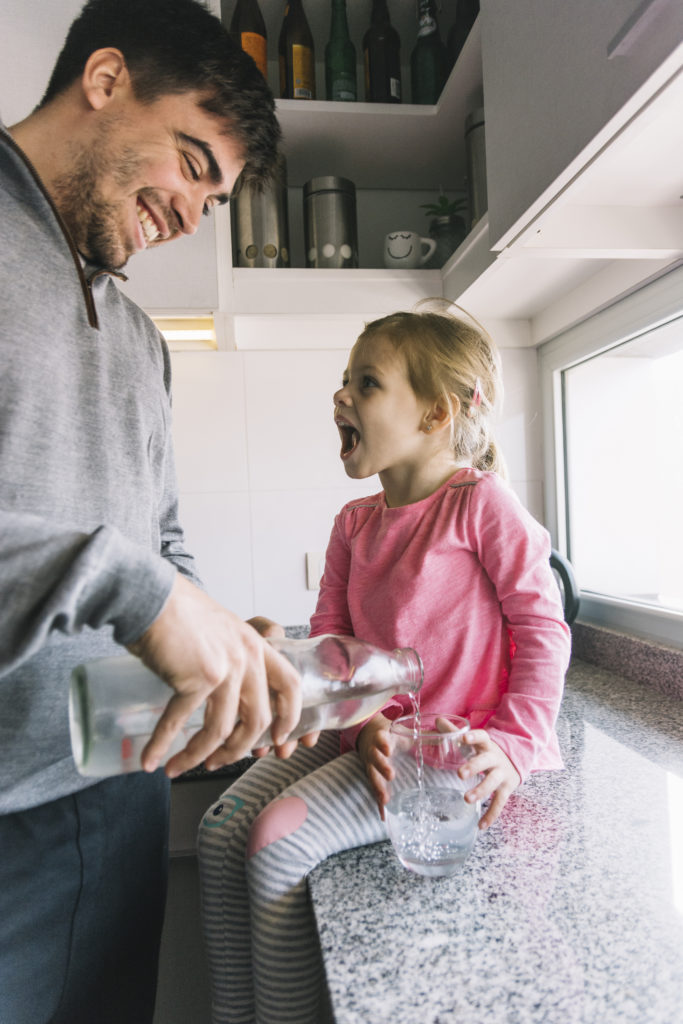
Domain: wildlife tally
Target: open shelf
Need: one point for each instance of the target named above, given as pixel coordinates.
(387, 145)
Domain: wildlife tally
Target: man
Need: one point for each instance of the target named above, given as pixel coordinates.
(149, 117)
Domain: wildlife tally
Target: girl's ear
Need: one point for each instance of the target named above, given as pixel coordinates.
(441, 414)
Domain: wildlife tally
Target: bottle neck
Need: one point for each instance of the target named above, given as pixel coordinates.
(412, 663)
(427, 24)
(340, 27)
(380, 13)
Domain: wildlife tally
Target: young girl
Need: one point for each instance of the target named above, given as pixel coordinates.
(444, 559)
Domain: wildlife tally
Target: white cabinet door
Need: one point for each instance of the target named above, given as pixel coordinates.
(555, 73)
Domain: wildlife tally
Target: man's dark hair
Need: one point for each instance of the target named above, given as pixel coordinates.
(176, 46)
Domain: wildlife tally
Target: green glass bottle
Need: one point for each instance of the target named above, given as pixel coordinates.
(340, 57)
(429, 60)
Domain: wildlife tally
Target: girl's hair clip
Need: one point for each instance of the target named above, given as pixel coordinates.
(475, 401)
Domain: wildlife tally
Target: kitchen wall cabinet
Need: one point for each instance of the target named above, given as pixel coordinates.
(583, 160)
(555, 77)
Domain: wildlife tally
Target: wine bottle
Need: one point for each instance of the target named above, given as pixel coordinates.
(115, 703)
(248, 29)
(382, 56)
(340, 57)
(296, 54)
(428, 61)
(466, 13)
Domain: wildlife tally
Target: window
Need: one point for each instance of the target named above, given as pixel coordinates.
(613, 406)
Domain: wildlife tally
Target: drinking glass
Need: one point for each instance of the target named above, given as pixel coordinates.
(431, 826)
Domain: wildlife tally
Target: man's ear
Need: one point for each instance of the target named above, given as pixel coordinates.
(105, 73)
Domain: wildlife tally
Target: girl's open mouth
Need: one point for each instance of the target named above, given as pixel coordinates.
(349, 438)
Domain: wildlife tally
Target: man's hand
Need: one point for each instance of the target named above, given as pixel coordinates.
(269, 628)
(206, 653)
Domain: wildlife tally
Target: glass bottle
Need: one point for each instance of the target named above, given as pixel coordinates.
(340, 57)
(382, 57)
(296, 54)
(115, 703)
(428, 61)
(466, 13)
(248, 29)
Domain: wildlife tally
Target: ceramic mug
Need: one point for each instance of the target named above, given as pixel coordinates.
(405, 250)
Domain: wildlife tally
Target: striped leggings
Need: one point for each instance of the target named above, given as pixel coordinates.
(257, 844)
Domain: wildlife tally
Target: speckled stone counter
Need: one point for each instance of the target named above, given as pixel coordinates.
(569, 909)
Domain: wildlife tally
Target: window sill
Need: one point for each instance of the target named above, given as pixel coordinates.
(643, 661)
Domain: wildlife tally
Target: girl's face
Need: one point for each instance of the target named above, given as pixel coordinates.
(381, 421)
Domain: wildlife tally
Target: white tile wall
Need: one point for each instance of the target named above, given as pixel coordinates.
(209, 412)
(292, 438)
(519, 431)
(259, 472)
(219, 534)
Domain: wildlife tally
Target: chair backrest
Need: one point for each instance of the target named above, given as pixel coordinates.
(567, 584)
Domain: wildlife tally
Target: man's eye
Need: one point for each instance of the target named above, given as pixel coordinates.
(193, 167)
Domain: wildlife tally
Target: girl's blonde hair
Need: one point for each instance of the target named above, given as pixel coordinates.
(451, 359)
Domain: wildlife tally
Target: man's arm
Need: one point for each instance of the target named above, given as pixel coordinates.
(59, 580)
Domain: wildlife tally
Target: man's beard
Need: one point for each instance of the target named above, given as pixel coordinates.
(95, 223)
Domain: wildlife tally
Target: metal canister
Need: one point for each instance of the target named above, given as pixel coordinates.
(260, 223)
(330, 226)
(475, 145)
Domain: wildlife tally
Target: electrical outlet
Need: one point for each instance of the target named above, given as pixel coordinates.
(315, 565)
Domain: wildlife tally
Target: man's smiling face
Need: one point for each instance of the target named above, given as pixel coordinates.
(146, 177)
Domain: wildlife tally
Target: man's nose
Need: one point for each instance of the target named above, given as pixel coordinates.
(189, 212)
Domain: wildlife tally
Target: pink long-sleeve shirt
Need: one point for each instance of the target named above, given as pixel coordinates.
(464, 577)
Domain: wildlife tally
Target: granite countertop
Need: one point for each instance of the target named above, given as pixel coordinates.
(569, 909)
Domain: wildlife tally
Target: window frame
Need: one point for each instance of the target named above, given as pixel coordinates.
(651, 306)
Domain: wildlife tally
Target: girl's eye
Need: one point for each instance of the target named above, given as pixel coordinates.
(369, 382)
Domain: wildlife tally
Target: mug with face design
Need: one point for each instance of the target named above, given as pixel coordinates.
(405, 250)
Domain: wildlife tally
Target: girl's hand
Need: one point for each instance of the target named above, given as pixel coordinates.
(373, 749)
(500, 776)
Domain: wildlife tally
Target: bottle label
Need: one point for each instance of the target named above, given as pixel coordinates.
(395, 88)
(303, 82)
(255, 45)
(344, 88)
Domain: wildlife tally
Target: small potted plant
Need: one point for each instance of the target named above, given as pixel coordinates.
(446, 227)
